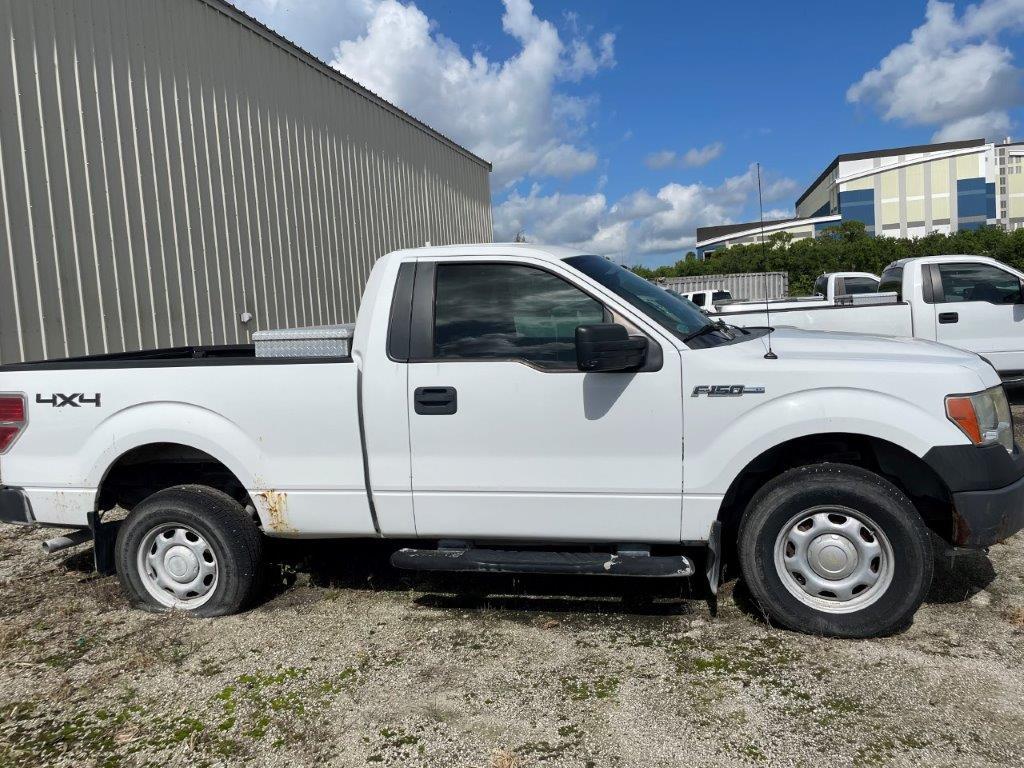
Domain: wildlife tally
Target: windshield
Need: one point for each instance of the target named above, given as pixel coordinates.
(668, 309)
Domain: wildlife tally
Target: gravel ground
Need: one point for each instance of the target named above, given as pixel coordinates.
(348, 663)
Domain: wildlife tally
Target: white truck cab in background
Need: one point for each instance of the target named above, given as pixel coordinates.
(829, 288)
(834, 284)
(706, 299)
(524, 409)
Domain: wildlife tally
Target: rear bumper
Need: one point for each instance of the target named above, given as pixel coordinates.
(987, 485)
(15, 507)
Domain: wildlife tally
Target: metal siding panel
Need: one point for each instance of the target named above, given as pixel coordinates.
(150, 205)
(165, 166)
(175, 254)
(22, 211)
(126, 72)
(12, 279)
(71, 186)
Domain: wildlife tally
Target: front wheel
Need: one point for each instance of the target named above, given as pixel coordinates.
(833, 549)
(189, 548)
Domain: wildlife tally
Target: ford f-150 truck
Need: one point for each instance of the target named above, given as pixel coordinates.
(971, 302)
(519, 408)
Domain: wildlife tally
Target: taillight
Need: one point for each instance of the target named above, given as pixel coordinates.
(12, 419)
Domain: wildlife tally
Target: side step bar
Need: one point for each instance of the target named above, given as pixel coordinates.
(533, 561)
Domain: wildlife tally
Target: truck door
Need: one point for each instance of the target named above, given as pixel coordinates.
(508, 439)
(979, 307)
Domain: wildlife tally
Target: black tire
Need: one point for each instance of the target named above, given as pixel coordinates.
(773, 510)
(230, 535)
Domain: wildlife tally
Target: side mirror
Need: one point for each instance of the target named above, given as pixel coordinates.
(1020, 299)
(608, 347)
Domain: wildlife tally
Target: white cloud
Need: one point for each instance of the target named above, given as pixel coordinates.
(662, 159)
(316, 25)
(993, 125)
(692, 158)
(637, 225)
(695, 158)
(511, 112)
(952, 74)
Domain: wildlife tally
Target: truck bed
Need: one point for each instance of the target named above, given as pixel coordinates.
(302, 466)
(878, 319)
(224, 354)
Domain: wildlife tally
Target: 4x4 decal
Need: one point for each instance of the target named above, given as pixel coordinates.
(75, 400)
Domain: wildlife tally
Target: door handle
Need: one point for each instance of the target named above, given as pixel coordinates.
(949, 317)
(435, 401)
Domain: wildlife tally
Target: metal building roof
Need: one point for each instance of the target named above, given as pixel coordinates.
(918, 148)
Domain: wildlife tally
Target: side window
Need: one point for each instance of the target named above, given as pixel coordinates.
(503, 311)
(821, 286)
(860, 285)
(699, 298)
(892, 282)
(978, 282)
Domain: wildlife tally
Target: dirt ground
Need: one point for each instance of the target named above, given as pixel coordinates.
(348, 663)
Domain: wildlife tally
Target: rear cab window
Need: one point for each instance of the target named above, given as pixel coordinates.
(860, 285)
(892, 282)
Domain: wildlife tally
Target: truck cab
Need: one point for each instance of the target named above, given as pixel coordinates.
(970, 302)
(833, 284)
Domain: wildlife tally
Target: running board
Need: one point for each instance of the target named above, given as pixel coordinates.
(536, 561)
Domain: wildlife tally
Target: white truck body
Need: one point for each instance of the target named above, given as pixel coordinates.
(378, 445)
(706, 299)
(828, 289)
(963, 301)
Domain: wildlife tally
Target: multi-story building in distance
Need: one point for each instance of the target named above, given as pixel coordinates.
(901, 192)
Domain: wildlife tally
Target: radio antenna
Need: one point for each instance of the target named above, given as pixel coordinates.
(769, 355)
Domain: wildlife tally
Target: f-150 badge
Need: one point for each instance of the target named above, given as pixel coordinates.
(74, 400)
(725, 390)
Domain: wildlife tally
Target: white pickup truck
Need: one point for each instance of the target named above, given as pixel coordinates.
(827, 289)
(519, 408)
(971, 302)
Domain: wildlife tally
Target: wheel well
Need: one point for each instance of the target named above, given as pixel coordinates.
(143, 471)
(899, 466)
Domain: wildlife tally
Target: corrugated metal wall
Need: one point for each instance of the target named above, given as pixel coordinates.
(742, 285)
(167, 165)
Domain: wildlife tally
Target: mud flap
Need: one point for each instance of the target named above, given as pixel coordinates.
(104, 535)
(713, 568)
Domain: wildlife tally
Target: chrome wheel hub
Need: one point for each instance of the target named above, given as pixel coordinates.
(834, 559)
(177, 566)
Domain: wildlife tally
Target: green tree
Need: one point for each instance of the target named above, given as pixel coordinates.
(844, 248)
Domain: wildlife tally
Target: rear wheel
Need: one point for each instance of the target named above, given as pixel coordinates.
(836, 550)
(189, 548)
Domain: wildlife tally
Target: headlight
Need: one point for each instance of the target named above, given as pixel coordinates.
(983, 417)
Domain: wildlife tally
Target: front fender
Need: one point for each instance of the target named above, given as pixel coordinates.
(812, 412)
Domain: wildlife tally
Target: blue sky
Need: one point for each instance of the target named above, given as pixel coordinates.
(621, 127)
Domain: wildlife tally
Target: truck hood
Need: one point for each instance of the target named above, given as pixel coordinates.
(840, 347)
